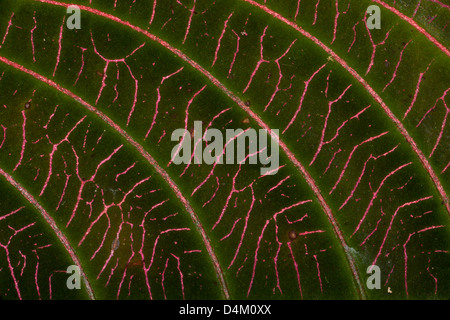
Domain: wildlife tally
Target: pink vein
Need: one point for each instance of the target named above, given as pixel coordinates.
(415, 25)
(250, 112)
(392, 220)
(189, 22)
(371, 91)
(290, 155)
(24, 141)
(398, 64)
(441, 4)
(59, 46)
(303, 97)
(145, 154)
(220, 39)
(53, 225)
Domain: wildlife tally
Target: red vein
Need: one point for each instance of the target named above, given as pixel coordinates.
(371, 157)
(446, 167)
(441, 4)
(396, 68)
(238, 39)
(31, 37)
(220, 39)
(7, 29)
(189, 22)
(444, 122)
(59, 45)
(415, 25)
(24, 141)
(256, 257)
(406, 256)
(54, 226)
(280, 75)
(392, 220)
(351, 155)
(297, 11)
(338, 13)
(11, 213)
(242, 105)
(146, 155)
(315, 12)
(153, 12)
(417, 8)
(303, 97)
(322, 142)
(4, 136)
(416, 93)
(296, 269)
(374, 45)
(371, 91)
(354, 36)
(260, 62)
(375, 195)
(290, 155)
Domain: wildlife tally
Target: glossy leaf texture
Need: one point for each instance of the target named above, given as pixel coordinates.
(86, 118)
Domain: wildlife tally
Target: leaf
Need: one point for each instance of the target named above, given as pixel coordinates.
(87, 116)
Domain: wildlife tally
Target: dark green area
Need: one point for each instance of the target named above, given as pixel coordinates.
(411, 242)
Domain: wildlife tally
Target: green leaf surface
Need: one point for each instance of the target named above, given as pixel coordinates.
(87, 177)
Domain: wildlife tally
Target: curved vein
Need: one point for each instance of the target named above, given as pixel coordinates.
(311, 182)
(371, 91)
(62, 238)
(415, 25)
(143, 153)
